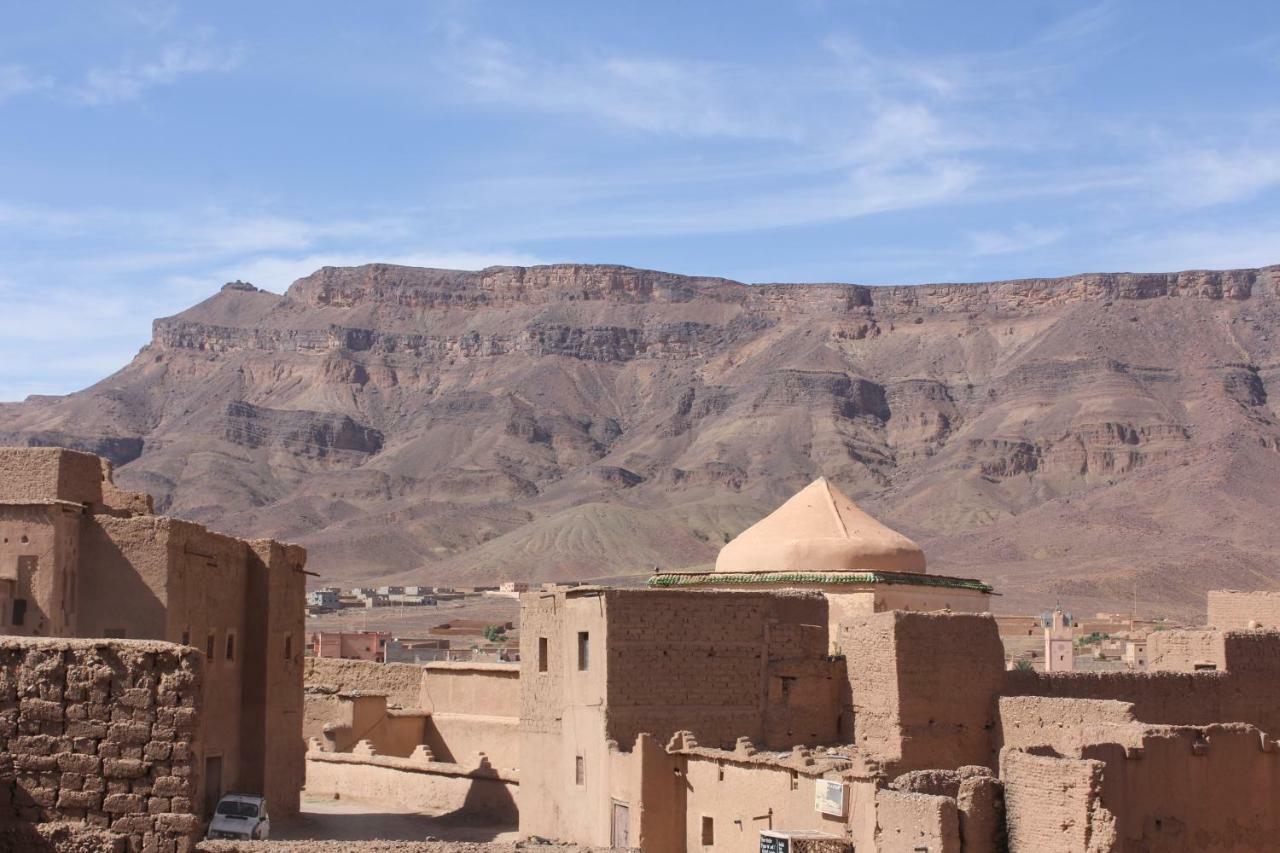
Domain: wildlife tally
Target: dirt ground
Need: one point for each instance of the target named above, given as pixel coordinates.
(329, 826)
(415, 621)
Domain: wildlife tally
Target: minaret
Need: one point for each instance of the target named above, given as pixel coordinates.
(1059, 642)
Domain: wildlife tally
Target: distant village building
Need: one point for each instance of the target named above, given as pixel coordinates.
(327, 597)
(79, 557)
(355, 645)
(1059, 642)
(1135, 654)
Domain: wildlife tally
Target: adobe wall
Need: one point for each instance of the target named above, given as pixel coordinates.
(475, 707)
(978, 799)
(35, 474)
(364, 722)
(324, 678)
(1159, 789)
(460, 737)
(1063, 725)
(108, 734)
(1186, 650)
(406, 784)
(1232, 609)
(39, 553)
(743, 797)
(1211, 788)
(454, 687)
(206, 602)
(1247, 692)
(1054, 805)
(542, 702)
(274, 751)
(909, 822)
(128, 585)
(562, 719)
(923, 688)
(698, 660)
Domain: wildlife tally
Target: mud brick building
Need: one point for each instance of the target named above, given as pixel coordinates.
(81, 558)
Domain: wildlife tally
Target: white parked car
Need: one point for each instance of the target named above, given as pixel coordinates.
(242, 817)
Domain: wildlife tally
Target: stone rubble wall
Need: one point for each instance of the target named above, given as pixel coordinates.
(106, 734)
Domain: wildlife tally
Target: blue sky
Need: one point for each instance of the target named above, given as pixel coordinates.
(150, 151)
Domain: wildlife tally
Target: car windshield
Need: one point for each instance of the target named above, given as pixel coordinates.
(237, 808)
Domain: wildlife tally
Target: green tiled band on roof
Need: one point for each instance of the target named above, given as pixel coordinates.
(709, 578)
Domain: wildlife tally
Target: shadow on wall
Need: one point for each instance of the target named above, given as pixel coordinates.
(489, 800)
(117, 591)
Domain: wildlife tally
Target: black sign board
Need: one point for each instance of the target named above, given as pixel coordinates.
(774, 844)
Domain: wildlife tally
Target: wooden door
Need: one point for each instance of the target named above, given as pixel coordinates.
(621, 825)
(212, 783)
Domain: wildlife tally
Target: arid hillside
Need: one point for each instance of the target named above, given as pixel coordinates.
(1076, 440)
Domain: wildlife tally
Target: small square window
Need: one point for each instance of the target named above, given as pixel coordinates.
(584, 651)
(579, 771)
(708, 831)
(542, 654)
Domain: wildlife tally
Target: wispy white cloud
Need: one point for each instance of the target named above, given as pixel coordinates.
(1203, 177)
(16, 80)
(1236, 246)
(128, 82)
(1020, 238)
(651, 94)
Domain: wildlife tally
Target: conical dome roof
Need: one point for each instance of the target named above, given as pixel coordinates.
(820, 530)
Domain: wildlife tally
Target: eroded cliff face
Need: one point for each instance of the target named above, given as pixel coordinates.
(1064, 438)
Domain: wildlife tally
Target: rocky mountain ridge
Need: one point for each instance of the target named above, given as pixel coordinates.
(1064, 438)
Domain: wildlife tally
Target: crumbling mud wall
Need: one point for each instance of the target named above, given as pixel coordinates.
(1247, 692)
(1160, 789)
(1054, 804)
(924, 687)
(1064, 726)
(978, 802)
(909, 821)
(105, 734)
(1193, 788)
